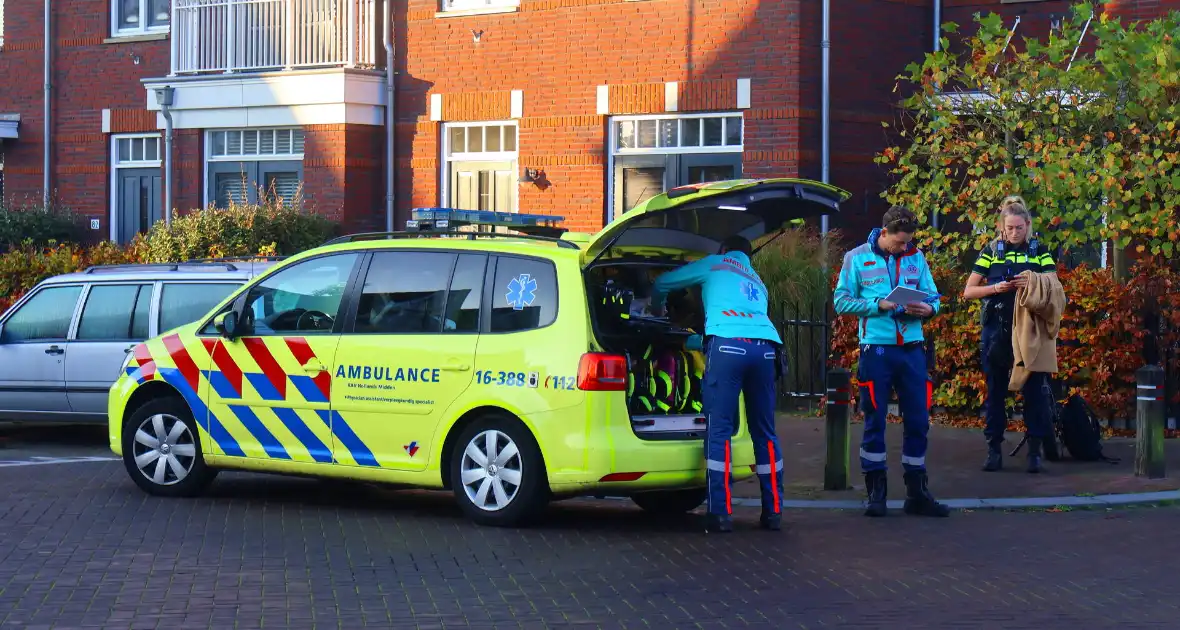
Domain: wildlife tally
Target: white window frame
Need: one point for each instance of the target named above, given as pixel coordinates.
(117, 165)
(209, 158)
(474, 6)
(116, 31)
(613, 150)
(444, 174)
(612, 129)
(258, 156)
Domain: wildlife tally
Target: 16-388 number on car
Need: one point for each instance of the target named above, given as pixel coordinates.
(510, 379)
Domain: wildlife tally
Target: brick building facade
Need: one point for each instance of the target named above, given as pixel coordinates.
(602, 102)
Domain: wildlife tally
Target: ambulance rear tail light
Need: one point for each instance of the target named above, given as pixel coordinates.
(601, 372)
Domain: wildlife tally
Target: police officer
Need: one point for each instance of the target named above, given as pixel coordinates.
(995, 279)
(892, 354)
(741, 348)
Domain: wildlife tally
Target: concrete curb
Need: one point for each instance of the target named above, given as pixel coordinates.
(1103, 500)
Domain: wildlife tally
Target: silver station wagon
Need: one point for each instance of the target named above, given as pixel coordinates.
(62, 343)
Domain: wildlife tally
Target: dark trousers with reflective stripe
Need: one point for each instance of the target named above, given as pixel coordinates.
(884, 369)
(1037, 400)
(745, 367)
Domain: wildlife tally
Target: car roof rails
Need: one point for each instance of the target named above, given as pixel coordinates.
(228, 259)
(200, 263)
(428, 222)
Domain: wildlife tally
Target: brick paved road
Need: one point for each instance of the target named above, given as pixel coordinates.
(80, 546)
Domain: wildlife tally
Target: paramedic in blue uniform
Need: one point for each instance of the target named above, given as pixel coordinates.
(892, 355)
(741, 357)
(994, 279)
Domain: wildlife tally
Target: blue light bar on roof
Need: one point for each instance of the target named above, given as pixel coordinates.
(450, 218)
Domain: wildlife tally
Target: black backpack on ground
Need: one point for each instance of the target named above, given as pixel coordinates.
(1080, 432)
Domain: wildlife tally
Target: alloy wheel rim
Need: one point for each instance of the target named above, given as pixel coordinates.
(491, 470)
(164, 449)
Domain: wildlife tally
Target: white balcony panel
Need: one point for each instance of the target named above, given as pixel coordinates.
(226, 36)
(318, 97)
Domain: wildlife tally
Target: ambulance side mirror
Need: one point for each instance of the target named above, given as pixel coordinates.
(226, 324)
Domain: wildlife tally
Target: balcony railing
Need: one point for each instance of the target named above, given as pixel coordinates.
(259, 35)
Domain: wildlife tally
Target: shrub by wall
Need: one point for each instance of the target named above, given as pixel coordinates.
(241, 230)
(38, 223)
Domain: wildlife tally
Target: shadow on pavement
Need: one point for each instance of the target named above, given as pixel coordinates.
(359, 498)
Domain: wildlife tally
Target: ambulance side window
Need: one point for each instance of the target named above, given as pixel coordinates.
(304, 298)
(524, 294)
(405, 293)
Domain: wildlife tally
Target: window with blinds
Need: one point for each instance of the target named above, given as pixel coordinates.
(248, 166)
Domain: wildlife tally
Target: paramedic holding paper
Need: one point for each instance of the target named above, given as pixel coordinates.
(741, 356)
(892, 354)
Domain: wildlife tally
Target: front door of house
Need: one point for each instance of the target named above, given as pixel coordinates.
(140, 201)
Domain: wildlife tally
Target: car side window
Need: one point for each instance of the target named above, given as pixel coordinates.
(524, 294)
(466, 296)
(185, 302)
(45, 316)
(405, 293)
(115, 312)
(304, 298)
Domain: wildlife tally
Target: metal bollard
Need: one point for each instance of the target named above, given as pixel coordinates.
(1149, 422)
(836, 466)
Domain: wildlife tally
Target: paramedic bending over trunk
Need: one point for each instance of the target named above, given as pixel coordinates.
(741, 351)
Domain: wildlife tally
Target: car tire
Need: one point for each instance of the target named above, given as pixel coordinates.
(509, 491)
(162, 450)
(670, 502)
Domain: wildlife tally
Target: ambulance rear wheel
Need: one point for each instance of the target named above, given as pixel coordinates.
(669, 502)
(162, 450)
(497, 472)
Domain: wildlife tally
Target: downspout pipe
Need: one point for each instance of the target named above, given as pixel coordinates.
(825, 103)
(937, 47)
(390, 111)
(48, 84)
(166, 110)
(937, 25)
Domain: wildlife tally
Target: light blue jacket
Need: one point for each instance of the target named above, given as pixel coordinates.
(734, 296)
(867, 277)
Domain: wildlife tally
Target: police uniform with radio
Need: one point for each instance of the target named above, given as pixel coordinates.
(1003, 262)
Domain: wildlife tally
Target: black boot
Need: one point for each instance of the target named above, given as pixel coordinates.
(718, 523)
(918, 499)
(995, 458)
(771, 521)
(1034, 456)
(876, 489)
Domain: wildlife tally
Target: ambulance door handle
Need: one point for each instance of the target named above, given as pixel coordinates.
(456, 367)
(313, 366)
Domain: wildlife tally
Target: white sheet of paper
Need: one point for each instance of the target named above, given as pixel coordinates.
(905, 295)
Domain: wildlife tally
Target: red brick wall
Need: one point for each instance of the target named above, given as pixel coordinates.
(88, 76)
(559, 51)
(871, 43)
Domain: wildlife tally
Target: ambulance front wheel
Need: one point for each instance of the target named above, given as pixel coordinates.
(497, 472)
(670, 502)
(162, 450)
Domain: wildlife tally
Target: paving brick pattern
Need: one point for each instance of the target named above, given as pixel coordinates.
(81, 547)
